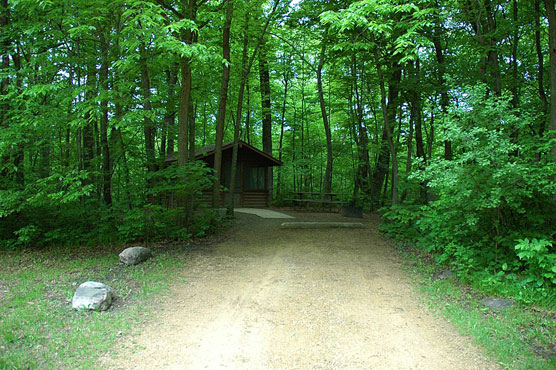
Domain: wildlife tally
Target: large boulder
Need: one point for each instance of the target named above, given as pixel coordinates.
(92, 296)
(135, 255)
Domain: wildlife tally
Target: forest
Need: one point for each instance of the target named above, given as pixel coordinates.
(439, 114)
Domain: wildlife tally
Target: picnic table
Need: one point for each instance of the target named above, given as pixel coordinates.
(304, 199)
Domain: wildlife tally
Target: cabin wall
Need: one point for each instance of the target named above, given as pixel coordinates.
(252, 181)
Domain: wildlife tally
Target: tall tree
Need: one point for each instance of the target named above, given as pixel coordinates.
(264, 78)
(222, 100)
(106, 163)
(551, 12)
(327, 187)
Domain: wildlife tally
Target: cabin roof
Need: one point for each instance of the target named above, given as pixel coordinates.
(208, 151)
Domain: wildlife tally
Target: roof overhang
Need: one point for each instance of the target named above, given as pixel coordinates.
(208, 151)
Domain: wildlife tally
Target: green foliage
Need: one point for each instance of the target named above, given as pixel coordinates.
(400, 222)
(163, 219)
(54, 211)
(493, 192)
(540, 259)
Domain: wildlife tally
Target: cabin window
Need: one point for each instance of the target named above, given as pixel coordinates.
(255, 178)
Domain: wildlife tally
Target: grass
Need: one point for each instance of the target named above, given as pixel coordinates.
(520, 337)
(39, 328)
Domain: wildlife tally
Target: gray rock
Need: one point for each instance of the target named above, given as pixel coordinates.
(497, 303)
(92, 296)
(445, 275)
(135, 255)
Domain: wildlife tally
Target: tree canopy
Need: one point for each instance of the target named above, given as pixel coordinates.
(440, 113)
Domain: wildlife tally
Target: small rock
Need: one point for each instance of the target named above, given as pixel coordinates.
(445, 275)
(135, 255)
(92, 296)
(497, 303)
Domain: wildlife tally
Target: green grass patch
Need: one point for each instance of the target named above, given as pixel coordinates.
(520, 337)
(39, 328)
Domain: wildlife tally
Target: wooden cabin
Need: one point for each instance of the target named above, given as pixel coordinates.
(253, 188)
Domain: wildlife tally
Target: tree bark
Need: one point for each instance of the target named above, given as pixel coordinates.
(222, 100)
(551, 12)
(327, 186)
(540, 74)
(237, 126)
(5, 81)
(444, 99)
(286, 76)
(362, 180)
(416, 114)
(106, 163)
(246, 65)
(264, 76)
(409, 157)
(192, 130)
(19, 155)
(248, 114)
(87, 130)
(167, 140)
(184, 113)
(387, 145)
(148, 124)
(482, 17)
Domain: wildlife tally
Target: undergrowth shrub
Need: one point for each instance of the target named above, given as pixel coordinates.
(492, 213)
(61, 210)
(540, 258)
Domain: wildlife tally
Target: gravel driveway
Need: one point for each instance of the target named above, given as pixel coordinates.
(267, 298)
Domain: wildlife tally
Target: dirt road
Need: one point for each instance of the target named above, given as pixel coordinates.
(267, 298)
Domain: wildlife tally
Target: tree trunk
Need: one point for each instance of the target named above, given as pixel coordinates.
(282, 124)
(237, 126)
(493, 49)
(294, 156)
(192, 131)
(444, 99)
(540, 74)
(87, 130)
(248, 114)
(515, 42)
(416, 114)
(246, 65)
(482, 18)
(361, 138)
(409, 157)
(327, 187)
(184, 114)
(551, 12)
(5, 80)
(19, 155)
(148, 124)
(44, 162)
(387, 145)
(106, 164)
(264, 76)
(167, 141)
(222, 100)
